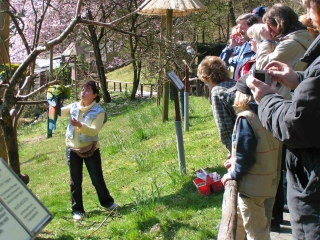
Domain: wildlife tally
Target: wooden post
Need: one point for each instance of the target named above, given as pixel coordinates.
(114, 86)
(176, 103)
(51, 64)
(165, 109)
(228, 224)
(198, 88)
(206, 92)
(151, 89)
(120, 86)
(75, 76)
(161, 73)
(186, 80)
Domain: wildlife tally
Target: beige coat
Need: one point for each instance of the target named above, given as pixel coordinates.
(289, 50)
(262, 178)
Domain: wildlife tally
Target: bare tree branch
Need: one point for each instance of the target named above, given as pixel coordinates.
(110, 26)
(43, 87)
(31, 102)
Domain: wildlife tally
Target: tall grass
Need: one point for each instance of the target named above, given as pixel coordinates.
(140, 165)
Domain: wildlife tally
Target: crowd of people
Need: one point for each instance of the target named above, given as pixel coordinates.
(270, 128)
(267, 128)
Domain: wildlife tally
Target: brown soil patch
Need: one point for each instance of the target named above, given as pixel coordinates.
(35, 139)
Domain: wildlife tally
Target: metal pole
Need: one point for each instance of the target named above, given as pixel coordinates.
(186, 98)
(186, 111)
(179, 136)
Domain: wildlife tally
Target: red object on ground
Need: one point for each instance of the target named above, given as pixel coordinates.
(207, 186)
(217, 186)
(202, 187)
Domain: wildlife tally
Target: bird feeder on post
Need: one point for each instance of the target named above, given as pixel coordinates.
(170, 8)
(178, 86)
(73, 50)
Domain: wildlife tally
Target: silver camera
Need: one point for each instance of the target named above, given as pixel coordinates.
(262, 75)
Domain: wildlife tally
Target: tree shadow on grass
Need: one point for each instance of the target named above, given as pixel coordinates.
(63, 237)
(38, 158)
(186, 198)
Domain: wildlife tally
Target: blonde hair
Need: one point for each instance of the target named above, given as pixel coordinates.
(254, 32)
(212, 69)
(242, 100)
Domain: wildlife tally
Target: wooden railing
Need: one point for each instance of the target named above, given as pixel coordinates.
(195, 84)
(121, 84)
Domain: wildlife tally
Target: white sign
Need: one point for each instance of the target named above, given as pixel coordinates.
(22, 215)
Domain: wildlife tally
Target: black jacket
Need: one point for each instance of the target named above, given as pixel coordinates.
(296, 123)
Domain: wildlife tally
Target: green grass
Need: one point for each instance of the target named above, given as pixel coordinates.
(140, 165)
(125, 74)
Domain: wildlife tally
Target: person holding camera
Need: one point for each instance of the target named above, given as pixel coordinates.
(296, 123)
(86, 120)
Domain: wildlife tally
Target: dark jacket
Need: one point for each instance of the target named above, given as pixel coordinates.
(246, 143)
(296, 123)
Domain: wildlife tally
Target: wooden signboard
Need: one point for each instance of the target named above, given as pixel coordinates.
(22, 215)
(175, 80)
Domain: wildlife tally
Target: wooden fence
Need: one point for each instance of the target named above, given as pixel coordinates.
(196, 87)
(121, 85)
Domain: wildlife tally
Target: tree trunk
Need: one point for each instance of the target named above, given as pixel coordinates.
(136, 80)
(3, 147)
(232, 15)
(11, 140)
(136, 64)
(99, 62)
(4, 58)
(228, 225)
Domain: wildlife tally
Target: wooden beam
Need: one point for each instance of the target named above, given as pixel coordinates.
(228, 224)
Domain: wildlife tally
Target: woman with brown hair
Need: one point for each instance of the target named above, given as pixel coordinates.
(213, 72)
(86, 120)
(283, 26)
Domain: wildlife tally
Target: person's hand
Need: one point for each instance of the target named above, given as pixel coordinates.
(282, 73)
(258, 88)
(227, 164)
(232, 42)
(225, 178)
(75, 122)
(265, 34)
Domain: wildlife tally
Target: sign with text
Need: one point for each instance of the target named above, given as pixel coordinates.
(22, 215)
(175, 80)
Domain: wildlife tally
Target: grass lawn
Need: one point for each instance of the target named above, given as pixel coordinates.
(140, 165)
